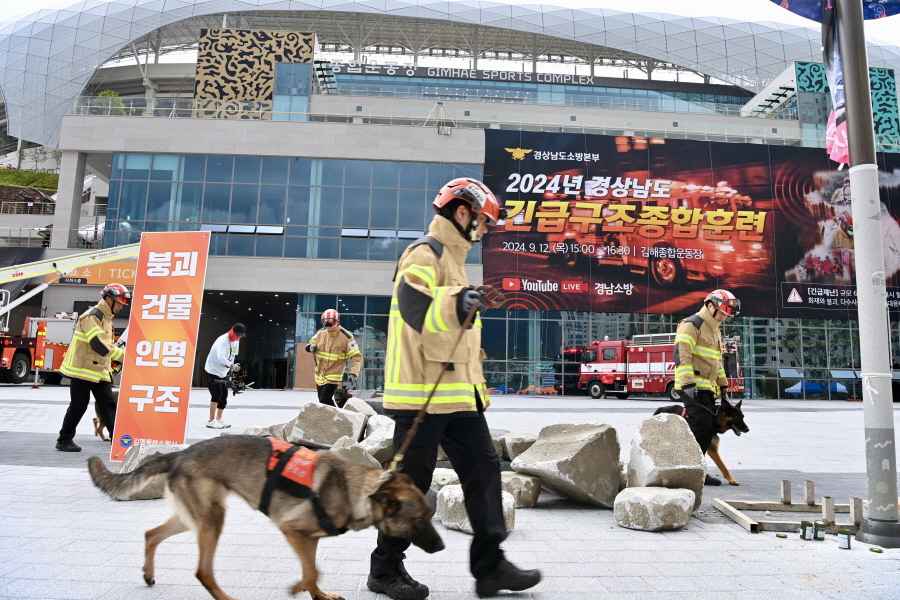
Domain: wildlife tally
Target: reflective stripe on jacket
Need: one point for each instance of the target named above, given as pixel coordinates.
(423, 327)
(698, 353)
(92, 350)
(335, 348)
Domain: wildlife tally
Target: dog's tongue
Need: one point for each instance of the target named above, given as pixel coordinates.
(735, 430)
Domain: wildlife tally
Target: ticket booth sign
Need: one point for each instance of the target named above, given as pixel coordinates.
(162, 340)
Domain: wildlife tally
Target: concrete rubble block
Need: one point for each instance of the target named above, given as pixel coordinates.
(321, 425)
(379, 440)
(443, 477)
(441, 454)
(451, 509)
(367, 394)
(139, 454)
(499, 446)
(579, 461)
(664, 453)
(353, 451)
(524, 489)
(653, 508)
(256, 431)
(517, 443)
(281, 431)
(360, 406)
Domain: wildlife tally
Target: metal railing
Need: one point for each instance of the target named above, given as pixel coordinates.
(37, 237)
(625, 125)
(93, 210)
(27, 208)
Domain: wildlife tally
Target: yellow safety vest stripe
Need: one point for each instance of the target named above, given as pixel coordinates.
(426, 274)
(434, 320)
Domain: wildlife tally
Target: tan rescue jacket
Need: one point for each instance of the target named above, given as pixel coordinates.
(698, 352)
(93, 348)
(423, 327)
(334, 349)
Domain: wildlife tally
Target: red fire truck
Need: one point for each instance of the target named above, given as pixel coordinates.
(645, 363)
(43, 344)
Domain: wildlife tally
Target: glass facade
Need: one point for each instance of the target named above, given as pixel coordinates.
(780, 358)
(539, 93)
(292, 87)
(278, 207)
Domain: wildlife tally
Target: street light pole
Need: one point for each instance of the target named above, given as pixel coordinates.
(882, 526)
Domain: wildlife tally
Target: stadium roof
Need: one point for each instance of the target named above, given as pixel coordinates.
(48, 57)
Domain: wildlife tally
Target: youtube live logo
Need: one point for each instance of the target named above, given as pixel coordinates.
(513, 284)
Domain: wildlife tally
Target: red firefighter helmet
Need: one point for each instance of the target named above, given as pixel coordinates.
(479, 197)
(330, 317)
(725, 301)
(117, 292)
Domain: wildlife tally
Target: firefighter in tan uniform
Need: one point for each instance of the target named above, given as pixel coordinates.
(332, 346)
(431, 300)
(699, 371)
(88, 363)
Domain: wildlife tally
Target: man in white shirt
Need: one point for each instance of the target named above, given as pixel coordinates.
(219, 362)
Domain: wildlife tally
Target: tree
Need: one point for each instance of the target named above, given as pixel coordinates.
(107, 102)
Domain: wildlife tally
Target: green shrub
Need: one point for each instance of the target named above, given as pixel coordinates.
(33, 179)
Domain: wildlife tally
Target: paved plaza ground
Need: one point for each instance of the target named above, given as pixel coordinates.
(61, 538)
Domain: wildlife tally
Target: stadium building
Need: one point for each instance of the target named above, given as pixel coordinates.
(310, 139)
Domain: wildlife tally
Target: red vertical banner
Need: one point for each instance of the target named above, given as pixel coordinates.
(162, 340)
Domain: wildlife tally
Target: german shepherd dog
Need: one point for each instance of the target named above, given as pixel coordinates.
(199, 479)
(727, 417)
(341, 396)
(99, 425)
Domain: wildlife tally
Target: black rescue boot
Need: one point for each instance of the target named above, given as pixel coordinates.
(398, 585)
(710, 480)
(506, 576)
(69, 446)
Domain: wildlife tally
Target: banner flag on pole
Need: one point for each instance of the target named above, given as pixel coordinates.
(162, 339)
(812, 9)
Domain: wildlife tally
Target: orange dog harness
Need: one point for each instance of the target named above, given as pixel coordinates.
(291, 470)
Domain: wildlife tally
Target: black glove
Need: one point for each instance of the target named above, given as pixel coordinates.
(351, 381)
(464, 303)
(312, 347)
(690, 391)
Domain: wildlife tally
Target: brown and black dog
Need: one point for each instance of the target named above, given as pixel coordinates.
(728, 417)
(199, 479)
(99, 425)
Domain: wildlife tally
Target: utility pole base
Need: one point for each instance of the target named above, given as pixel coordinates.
(880, 533)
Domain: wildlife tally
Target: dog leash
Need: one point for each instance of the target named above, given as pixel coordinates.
(499, 300)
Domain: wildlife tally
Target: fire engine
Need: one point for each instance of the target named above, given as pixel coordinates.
(44, 340)
(646, 363)
(670, 260)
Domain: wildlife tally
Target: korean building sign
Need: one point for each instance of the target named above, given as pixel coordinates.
(162, 339)
(638, 224)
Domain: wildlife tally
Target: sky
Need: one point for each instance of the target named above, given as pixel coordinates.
(885, 30)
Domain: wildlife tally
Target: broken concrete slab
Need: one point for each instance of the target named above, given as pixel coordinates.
(451, 509)
(577, 460)
(524, 489)
(353, 451)
(664, 453)
(366, 394)
(379, 439)
(517, 443)
(360, 406)
(140, 454)
(321, 425)
(442, 477)
(653, 508)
